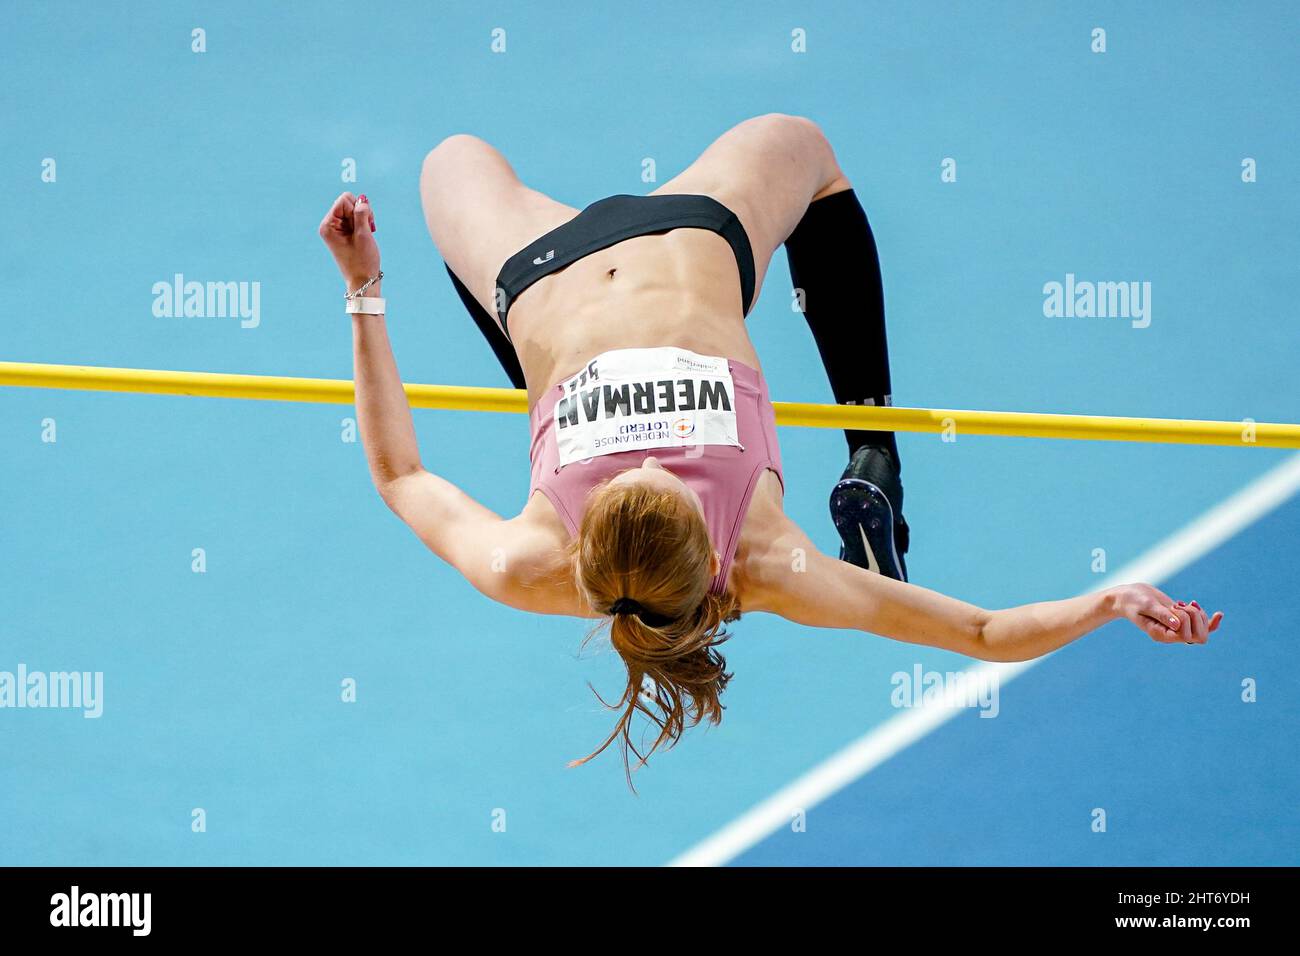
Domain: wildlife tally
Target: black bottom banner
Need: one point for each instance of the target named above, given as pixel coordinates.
(368, 904)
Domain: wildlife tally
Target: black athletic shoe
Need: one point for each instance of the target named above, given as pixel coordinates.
(867, 508)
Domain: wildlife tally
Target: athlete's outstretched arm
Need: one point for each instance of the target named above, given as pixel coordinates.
(808, 587)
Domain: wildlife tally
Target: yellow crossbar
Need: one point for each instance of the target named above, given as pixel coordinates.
(468, 398)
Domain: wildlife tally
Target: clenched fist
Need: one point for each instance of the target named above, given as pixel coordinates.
(349, 232)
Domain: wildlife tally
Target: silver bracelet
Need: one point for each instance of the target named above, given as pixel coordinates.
(366, 285)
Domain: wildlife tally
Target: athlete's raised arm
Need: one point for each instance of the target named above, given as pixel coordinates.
(512, 561)
(808, 587)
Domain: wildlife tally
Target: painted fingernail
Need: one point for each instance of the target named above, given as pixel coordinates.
(363, 198)
(1195, 605)
(1182, 604)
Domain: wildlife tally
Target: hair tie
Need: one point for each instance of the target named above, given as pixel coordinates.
(626, 605)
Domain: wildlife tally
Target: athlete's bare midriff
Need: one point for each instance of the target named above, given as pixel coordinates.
(678, 288)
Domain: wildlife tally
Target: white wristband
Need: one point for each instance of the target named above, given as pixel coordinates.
(366, 306)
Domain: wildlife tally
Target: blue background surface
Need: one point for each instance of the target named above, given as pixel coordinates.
(1186, 772)
(222, 689)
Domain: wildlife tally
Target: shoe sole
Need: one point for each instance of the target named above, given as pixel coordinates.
(865, 521)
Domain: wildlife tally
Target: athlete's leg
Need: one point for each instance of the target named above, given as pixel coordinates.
(766, 170)
(780, 176)
(479, 214)
(835, 269)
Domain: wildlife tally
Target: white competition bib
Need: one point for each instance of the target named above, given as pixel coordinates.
(638, 399)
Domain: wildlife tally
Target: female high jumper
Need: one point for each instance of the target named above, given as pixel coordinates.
(656, 490)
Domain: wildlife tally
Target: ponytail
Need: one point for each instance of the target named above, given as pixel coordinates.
(675, 675)
(643, 557)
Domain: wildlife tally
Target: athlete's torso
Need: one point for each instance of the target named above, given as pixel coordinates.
(678, 288)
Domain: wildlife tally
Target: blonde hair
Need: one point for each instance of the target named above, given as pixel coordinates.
(652, 546)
